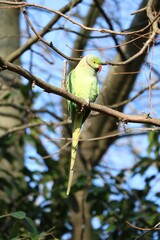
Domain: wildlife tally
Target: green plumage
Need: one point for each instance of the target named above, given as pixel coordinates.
(82, 82)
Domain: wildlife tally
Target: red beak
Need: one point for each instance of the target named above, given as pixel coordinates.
(99, 68)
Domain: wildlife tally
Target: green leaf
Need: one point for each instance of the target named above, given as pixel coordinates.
(15, 230)
(31, 227)
(18, 214)
(6, 96)
(111, 228)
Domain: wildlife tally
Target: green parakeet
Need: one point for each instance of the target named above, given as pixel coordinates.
(82, 82)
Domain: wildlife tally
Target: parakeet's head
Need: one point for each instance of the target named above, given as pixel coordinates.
(94, 62)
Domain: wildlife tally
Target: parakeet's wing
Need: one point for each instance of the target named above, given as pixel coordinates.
(69, 86)
(77, 121)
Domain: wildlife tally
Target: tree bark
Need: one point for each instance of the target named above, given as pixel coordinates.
(11, 161)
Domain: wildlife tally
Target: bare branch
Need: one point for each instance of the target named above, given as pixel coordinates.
(138, 11)
(146, 45)
(153, 16)
(142, 50)
(59, 91)
(102, 30)
(42, 40)
(147, 230)
(18, 52)
(153, 22)
(113, 134)
(135, 96)
(20, 128)
(64, 75)
(31, 125)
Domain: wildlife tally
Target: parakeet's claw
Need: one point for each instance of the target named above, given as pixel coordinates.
(82, 106)
(87, 100)
(80, 110)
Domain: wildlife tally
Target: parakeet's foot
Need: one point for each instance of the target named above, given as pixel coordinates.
(82, 106)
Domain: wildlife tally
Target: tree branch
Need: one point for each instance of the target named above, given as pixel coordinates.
(102, 30)
(18, 52)
(153, 22)
(31, 125)
(146, 119)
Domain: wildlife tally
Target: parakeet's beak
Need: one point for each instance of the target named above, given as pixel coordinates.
(99, 68)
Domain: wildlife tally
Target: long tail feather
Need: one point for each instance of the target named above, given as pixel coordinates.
(75, 136)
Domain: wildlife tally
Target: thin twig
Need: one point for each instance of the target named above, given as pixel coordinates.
(147, 43)
(30, 125)
(102, 30)
(40, 38)
(142, 50)
(127, 132)
(138, 11)
(135, 96)
(63, 86)
(18, 52)
(144, 229)
(151, 38)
